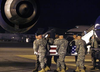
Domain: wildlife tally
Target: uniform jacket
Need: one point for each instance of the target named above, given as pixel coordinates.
(81, 46)
(61, 45)
(40, 45)
(50, 41)
(94, 43)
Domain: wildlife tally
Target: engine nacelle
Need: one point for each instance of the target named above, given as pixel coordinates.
(97, 27)
(18, 16)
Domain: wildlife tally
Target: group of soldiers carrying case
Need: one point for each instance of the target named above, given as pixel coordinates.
(45, 48)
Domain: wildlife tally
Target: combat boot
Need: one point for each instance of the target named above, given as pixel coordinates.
(62, 70)
(47, 68)
(82, 70)
(77, 69)
(94, 68)
(58, 69)
(66, 68)
(43, 70)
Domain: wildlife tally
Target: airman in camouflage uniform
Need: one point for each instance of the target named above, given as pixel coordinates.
(61, 49)
(73, 44)
(40, 47)
(81, 50)
(56, 56)
(37, 56)
(48, 57)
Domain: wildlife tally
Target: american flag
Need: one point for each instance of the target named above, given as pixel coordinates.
(52, 50)
(73, 51)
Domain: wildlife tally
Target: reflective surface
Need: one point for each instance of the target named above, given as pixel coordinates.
(97, 27)
(19, 16)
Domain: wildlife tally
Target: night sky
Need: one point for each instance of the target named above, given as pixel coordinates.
(67, 13)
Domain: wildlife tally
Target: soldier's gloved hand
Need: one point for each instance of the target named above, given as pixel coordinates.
(56, 53)
(35, 53)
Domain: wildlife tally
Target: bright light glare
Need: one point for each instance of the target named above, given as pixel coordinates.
(87, 36)
(96, 25)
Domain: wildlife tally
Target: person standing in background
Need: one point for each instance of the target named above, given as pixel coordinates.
(94, 44)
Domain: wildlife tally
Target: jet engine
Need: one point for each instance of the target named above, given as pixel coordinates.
(18, 16)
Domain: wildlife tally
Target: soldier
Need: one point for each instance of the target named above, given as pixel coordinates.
(61, 49)
(37, 62)
(56, 39)
(40, 48)
(73, 44)
(56, 36)
(81, 50)
(94, 44)
(49, 42)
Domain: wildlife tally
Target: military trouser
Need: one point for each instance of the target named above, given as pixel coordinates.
(48, 61)
(60, 61)
(37, 62)
(55, 58)
(75, 58)
(80, 60)
(42, 59)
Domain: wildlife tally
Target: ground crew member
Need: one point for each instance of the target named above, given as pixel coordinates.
(48, 57)
(94, 44)
(37, 62)
(61, 49)
(81, 50)
(40, 48)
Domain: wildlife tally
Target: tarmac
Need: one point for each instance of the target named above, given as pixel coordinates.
(22, 59)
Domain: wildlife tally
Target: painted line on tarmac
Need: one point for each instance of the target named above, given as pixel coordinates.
(34, 57)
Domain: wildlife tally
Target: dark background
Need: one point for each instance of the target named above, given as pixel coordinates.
(66, 13)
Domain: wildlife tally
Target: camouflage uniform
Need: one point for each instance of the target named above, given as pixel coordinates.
(81, 50)
(61, 49)
(56, 56)
(40, 47)
(94, 43)
(37, 61)
(49, 42)
(73, 43)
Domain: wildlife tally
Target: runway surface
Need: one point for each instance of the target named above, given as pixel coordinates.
(20, 59)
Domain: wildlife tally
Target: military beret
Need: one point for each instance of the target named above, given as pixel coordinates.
(60, 34)
(79, 35)
(38, 34)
